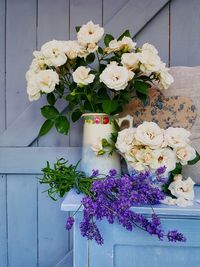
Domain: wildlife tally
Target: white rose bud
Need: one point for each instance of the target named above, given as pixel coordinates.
(82, 77)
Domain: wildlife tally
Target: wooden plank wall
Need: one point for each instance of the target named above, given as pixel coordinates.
(32, 226)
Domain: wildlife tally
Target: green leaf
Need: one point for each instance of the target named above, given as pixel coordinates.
(46, 127)
(76, 115)
(178, 169)
(142, 97)
(51, 98)
(110, 106)
(126, 33)
(102, 67)
(60, 88)
(77, 28)
(90, 58)
(100, 50)
(195, 160)
(107, 39)
(62, 125)
(141, 87)
(105, 143)
(72, 86)
(49, 112)
(114, 137)
(101, 152)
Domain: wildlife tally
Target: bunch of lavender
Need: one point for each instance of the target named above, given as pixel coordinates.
(112, 199)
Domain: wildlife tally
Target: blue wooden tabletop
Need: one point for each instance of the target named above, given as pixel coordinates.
(72, 202)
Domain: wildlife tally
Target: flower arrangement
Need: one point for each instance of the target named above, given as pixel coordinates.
(65, 70)
(109, 197)
(150, 147)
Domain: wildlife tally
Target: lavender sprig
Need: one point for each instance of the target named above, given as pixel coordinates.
(112, 199)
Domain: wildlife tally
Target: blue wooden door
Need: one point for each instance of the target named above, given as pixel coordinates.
(137, 248)
(32, 226)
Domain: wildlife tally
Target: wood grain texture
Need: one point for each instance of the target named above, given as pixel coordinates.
(3, 222)
(22, 221)
(31, 160)
(52, 236)
(20, 44)
(185, 33)
(53, 24)
(134, 15)
(157, 33)
(2, 65)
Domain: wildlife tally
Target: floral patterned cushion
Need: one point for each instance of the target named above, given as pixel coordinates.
(187, 83)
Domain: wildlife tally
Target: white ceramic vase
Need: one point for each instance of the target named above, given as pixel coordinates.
(97, 126)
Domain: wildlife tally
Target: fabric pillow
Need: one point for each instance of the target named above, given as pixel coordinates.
(187, 83)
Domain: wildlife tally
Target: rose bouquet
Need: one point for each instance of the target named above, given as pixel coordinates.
(150, 147)
(65, 70)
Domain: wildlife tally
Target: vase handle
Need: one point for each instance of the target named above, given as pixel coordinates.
(126, 118)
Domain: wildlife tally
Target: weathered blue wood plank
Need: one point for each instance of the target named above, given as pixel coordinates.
(30, 160)
(49, 28)
(185, 33)
(22, 220)
(134, 15)
(3, 222)
(2, 65)
(20, 43)
(80, 13)
(67, 261)
(52, 236)
(156, 32)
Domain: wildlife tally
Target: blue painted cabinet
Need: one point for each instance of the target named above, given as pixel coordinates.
(137, 249)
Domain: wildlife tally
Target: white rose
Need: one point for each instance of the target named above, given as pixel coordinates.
(34, 97)
(46, 80)
(149, 133)
(81, 76)
(182, 202)
(130, 60)
(54, 53)
(150, 62)
(125, 139)
(185, 154)
(163, 157)
(182, 188)
(97, 146)
(165, 78)
(115, 77)
(92, 47)
(177, 137)
(71, 48)
(90, 33)
(126, 44)
(150, 48)
(168, 201)
(138, 166)
(113, 46)
(144, 156)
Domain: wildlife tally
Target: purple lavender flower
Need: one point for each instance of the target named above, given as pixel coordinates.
(95, 173)
(161, 170)
(69, 223)
(174, 236)
(112, 172)
(112, 199)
